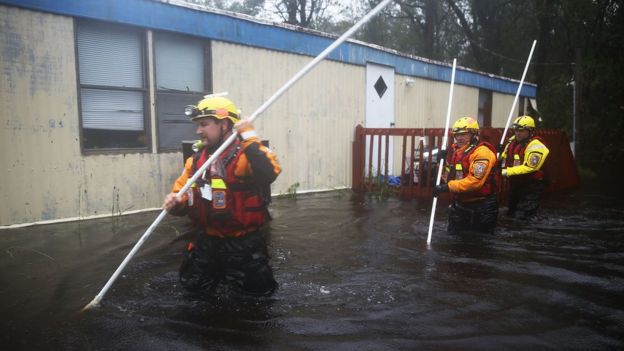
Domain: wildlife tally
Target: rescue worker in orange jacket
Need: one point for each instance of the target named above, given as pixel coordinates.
(521, 161)
(470, 180)
(227, 204)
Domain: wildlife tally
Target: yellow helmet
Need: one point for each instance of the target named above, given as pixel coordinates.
(466, 124)
(524, 122)
(213, 106)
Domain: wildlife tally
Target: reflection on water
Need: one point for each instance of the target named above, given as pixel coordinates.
(355, 274)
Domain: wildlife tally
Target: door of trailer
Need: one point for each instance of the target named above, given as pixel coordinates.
(379, 114)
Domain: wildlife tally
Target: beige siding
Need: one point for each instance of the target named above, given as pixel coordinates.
(500, 109)
(44, 175)
(311, 126)
(424, 103)
(40, 157)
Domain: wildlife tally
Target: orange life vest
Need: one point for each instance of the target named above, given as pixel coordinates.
(463, 159)
(236, 207)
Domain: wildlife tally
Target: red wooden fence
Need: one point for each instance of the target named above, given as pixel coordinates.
(374, 171)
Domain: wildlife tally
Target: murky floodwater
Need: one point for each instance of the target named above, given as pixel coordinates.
(354, 273)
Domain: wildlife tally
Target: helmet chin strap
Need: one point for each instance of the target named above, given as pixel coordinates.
(223, 133)
(474, 139)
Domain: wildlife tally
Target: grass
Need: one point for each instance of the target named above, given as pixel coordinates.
(292, 190)
(377, 186)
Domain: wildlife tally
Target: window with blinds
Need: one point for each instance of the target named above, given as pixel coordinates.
(181, 79)
(111, 74)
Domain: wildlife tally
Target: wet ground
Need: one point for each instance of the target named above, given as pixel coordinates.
(354, 272)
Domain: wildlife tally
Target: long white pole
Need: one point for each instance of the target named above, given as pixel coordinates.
(228, 141)
(444, 142)
(513, 106)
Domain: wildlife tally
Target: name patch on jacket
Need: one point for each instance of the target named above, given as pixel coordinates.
(479, 168)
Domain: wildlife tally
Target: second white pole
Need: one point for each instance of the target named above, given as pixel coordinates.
(513, 106)
(444, 143)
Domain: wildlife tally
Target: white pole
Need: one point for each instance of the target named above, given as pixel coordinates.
(444, 142)
(513, 106)
(574, 118)
(228, 141)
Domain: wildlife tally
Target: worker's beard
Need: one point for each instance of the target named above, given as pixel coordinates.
(211, 147)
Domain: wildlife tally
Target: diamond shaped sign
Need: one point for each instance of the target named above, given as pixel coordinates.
(380, 86)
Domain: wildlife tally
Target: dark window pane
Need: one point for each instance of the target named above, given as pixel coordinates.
(173, 125)
(485, 108)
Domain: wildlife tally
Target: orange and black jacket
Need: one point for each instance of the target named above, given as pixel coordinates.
(469, 171)
(235, 182)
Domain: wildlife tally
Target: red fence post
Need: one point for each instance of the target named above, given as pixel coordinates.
(403, 161)
(357, 171)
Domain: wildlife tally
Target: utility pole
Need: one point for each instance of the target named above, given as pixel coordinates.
(573, 84)
(577, 103)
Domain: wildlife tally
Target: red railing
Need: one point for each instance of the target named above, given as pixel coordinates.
(375, 148)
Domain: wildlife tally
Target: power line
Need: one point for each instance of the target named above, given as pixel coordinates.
(514, 60)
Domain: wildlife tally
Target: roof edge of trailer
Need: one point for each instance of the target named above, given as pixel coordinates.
(250, 31)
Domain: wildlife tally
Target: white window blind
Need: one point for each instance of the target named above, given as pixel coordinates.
(112, 109)
(179, 63)
(109, 56)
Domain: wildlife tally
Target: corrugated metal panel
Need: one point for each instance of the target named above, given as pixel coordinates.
(501, 104)
(45, 176)
(39, 151)
(311, 126)
(423, 103)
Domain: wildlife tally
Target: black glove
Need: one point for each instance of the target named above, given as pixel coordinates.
(442, 188)
(441, 155)
(500, 148)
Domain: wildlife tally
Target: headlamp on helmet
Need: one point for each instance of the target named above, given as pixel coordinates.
(215, 106)
(191, 111)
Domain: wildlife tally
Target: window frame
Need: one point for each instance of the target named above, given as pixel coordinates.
(486, 109)
(208, 84)
(144, 91)
(522, 105)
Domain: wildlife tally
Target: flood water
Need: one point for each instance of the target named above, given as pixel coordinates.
(355, 273)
